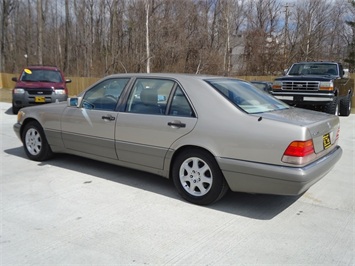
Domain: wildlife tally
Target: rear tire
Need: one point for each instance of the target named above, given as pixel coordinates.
(35, 142)
(198, 178)
(345, 106)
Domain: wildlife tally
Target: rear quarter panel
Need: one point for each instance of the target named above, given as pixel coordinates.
(227, 131)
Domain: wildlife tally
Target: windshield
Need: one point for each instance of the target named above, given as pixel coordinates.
(41, 75)
(247, 97)
(313, 69)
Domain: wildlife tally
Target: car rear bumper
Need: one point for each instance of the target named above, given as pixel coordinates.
(251, 177)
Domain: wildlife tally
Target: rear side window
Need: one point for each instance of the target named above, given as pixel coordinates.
(158, 97)
(150, 96)
(180, 105)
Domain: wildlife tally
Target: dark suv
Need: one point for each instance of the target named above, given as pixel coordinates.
(39, 85)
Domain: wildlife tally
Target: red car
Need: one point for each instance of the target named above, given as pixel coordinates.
(39, 85)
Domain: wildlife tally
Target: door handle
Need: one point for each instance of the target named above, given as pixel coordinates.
(108, 117)
(176, 124)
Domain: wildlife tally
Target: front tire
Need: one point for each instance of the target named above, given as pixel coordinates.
(332, 107)
(35, 142)
(15, 109)
(198, 178)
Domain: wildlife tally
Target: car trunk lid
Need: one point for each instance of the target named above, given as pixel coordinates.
(323, 128)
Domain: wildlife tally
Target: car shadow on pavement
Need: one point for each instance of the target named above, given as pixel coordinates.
(254, 206)
(9, 111)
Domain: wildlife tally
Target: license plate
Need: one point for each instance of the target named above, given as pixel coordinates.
(298, 99)
(326, 141)
(40, 99)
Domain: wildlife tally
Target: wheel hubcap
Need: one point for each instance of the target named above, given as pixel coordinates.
(196, 176)
(33, 141)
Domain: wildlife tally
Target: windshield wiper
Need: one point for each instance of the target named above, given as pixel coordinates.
(45, 80)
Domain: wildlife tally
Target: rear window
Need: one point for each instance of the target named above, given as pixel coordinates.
(246, 97)
(41, 75)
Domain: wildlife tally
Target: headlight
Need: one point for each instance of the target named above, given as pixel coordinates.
(19, 91)
(20, 116)
(277, 85)
(326, 86)
(59, 91)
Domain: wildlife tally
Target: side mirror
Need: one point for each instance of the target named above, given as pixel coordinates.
(68, 81)
(285, 71)
(345, 73)
(14, 79)
(74, 102)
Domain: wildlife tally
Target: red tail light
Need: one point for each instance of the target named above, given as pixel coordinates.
(338, 132)
(300, 148)
(299, 152)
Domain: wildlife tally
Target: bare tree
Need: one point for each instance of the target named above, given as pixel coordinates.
(233, 17)
(312, 19)
(349, 37)
(147, 43)
(40, 31)
(5, 12)
(67, 37)
(262, 50)
(224, 37)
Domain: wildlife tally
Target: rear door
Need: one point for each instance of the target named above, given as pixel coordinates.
(157, 113)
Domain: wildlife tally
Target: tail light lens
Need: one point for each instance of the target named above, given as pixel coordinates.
(338, 133)
(299, 152)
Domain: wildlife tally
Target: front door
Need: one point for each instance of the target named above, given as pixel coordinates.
(90, 128)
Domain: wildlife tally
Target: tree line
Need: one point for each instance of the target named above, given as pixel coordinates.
(223, 37)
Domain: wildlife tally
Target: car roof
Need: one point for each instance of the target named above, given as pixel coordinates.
(317, 62)
(260, 81)
(43, 67)
(170, 75)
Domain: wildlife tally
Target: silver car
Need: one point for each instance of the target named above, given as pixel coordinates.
(208, 134)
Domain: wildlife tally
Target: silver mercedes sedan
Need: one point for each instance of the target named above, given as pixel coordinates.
(208, 134)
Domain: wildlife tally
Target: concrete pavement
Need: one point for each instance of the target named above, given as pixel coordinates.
(76, 211)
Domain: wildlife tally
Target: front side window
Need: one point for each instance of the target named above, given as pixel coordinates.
(245, 96)
(105, 95)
